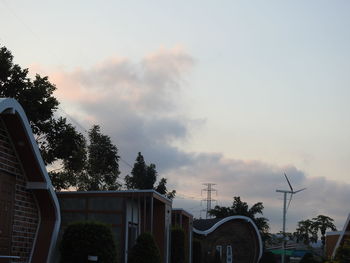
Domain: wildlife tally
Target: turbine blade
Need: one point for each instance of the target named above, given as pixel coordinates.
(290, 200)
(291, 188)
(299, 191)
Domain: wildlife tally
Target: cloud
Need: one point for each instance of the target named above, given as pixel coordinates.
(255, 181)
(140, 105)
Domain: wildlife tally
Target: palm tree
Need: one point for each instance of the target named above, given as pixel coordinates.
(322, 223)
(241, 208)
(306, 232)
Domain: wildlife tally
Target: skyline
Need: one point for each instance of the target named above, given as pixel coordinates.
(233, 93)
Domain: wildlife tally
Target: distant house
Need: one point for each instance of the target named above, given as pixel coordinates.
(336, 239)
(130, 213)
(29, 210)
(184, 219)
(234, 238)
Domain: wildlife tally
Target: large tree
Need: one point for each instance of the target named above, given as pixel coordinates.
(306, 232)
(144, 176)
(241, 208)
(102, 169)
(322, 223)
(60, 144)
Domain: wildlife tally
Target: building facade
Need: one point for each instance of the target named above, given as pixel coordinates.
(183, 219)
(29, 210)
(129, 213)
(233, 239)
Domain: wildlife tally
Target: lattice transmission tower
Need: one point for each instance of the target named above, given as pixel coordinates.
(209, 189)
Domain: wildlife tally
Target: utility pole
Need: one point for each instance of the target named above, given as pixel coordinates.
(209, 199)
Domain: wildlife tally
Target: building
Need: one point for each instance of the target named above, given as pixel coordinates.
(184, 219)
(128, 212)
(336, 239)
(234, 239)
(29, 210)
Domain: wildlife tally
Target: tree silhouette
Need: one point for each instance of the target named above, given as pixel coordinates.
(102, 168)
(144, 176)
(58, 141)
(306, 232)
(241, 208)
(322, 223)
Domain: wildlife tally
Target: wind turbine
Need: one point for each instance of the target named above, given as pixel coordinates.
(285, 192)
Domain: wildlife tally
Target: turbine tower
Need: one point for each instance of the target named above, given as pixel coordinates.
(285, 208)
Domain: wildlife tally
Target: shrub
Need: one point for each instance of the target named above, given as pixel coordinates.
(268, 257)
(308, 258)
(177, 245)
(82, 239)
(145, 250)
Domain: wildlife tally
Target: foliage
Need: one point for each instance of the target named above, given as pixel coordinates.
(306, 232)
(102, 168)
(58, 141)
(308, 258)
(144, 176)
(177, 245)
(322, 223)
(82, 239)
(196, 251)
(241, 208)
(268, 257)
(145, 250)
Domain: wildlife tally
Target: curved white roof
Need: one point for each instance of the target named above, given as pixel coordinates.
(229, 218)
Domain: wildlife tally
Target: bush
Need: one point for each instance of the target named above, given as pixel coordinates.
(308, 258)
(82, 239)
(145, 250)
(196, 251)
(268, 257)
(177, 245)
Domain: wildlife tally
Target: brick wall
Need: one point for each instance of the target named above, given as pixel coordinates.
(25, 211)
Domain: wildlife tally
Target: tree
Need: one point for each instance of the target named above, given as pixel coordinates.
(241, 208)
(144, 176)
(102, 168)
(145, 250)
(322, 223)
(58, 141)
(306, 232)
(81, 239)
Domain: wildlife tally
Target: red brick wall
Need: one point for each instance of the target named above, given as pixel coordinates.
(25, 211)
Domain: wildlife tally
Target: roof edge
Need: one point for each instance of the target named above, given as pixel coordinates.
(11, 106)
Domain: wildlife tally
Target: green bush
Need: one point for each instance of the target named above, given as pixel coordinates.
(308, 258)
(82, 239)
(268, 257)
(196, 251)
(145, 250)
(177, 245)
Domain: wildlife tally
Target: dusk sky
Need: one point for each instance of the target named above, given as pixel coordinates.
(229, 92)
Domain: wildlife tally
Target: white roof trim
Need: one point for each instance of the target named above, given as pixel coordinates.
(117, 191)
(13, 107)
(342, 233)
(224, 220)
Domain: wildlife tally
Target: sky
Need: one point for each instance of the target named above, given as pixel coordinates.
(234, 93)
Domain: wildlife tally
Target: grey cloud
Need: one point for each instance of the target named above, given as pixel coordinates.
(138, 106)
